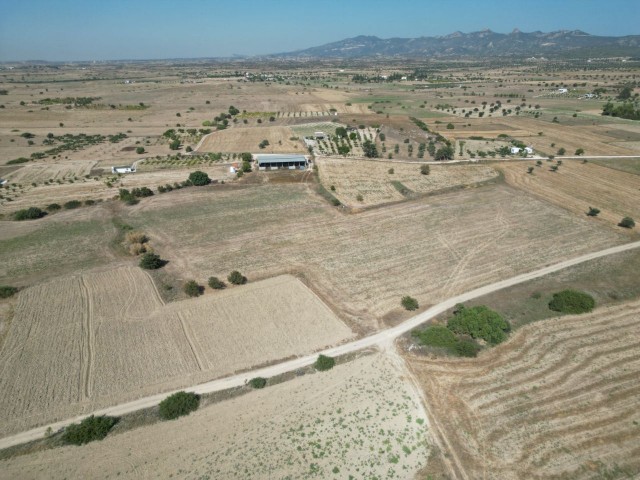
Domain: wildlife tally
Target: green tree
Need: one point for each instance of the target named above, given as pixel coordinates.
(445, 153)
(467, 347)
(178, 404)
(625, 93)
(246, 157)
(175, 144)
(216, 283)
(341, 132)
(199, 178)
(6, 291)
(627, 222)
(258, 382)
(409, 303)
(572, 301)
(561, 151)
(324, 363)
(140, 150)
(237, 278)
(450, 126)
(593, 212)
(88, 430)
(192, 288)
(579, 151)
(479, 322)
(425, 169)
(370, 150)
(151, 261)
(31, 213)
(530, 169)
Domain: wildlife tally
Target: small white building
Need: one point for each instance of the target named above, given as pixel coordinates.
(529, 150)
(320, 135)
(563, 90)
(125, 169)
(515, 150)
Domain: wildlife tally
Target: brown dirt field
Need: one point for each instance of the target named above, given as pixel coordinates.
(361, 418)
(577, 186)
(558, 400)
(239, 139)
(429, 248)
(92, 340)
(372, 180)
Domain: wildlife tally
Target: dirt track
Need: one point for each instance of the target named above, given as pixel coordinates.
(380, 339)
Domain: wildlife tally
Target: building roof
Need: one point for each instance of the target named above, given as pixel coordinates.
(275, 158)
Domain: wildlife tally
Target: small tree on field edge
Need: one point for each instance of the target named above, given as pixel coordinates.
(7, 291)
(151, 261)
(237, 278)
(178, 404)
(90, 429)
(216, 283)
(258, 382)
(425, 169)
(572, 301)
(199, 178)
(409, 303)
(593, 212)
(324, 363)
(192, 288)
(627, 222)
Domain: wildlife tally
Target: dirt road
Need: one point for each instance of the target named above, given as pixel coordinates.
(381, 339)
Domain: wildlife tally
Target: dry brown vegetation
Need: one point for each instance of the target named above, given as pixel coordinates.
(100, 338)
(372, 179)
(558, 400)
(238, 140)
(577, 186)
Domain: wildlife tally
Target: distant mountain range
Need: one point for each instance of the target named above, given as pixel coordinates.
(477, 44)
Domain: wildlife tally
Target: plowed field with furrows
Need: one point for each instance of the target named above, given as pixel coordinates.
(561, 399)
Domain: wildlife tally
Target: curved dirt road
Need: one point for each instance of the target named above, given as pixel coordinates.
(382, 338)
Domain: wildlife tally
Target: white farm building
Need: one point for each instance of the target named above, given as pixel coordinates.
(278, 161)
(124, 169)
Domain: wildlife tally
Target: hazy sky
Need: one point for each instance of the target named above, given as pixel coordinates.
(147, 29)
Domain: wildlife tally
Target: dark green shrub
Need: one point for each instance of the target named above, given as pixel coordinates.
(89, 202)
(258, 382)
(142, 192)
(436, 336)
(467, 347)
(572, 301)
(31, 213)
(409, 303)
(216, 283)
(192, 288)
(425, 170)
(140, 150)
(627, 222)
(324, 363)
(6, 291)
(71, 204)
(53, 207)
(151, 261)
(127, 197)
(479, 322)
(178, 404)
(199, 178)
(237, 278)
(90, 429)
(593, 212)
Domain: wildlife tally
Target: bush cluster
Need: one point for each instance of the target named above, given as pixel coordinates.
(178, 404)
(572, 301)
(324, 363)
(192, 288)
(151, 261)
(6, 291)
(31, 213)
(199, 178)
(258, 382)
(409, 303)
(441, 337)
(216, 283)
(90, 429)
(237, 278)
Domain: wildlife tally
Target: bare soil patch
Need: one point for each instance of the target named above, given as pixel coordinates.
(239, 139)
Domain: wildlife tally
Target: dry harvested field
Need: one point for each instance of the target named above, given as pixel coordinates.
(97, 339)
(560, 399)
(372, 179)
(239, 139)
(362, 418)
(364, 263)
(577, 186)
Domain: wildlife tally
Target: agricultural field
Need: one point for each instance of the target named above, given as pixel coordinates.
(363, 264)
(576, 186)
(238, 140)
(87, 341)
(373, 182)
(558, 400)
(361, 419)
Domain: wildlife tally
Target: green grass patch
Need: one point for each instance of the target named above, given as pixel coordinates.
(400, 187)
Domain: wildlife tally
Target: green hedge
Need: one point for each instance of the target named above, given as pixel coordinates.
(178, 404)
(572, 301)
(90, 429)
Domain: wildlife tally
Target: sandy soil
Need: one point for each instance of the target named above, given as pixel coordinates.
(101, 338)
(359, 419)
(558, 400)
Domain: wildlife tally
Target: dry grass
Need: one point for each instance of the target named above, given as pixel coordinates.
(558, 400)
(361, 418)
(577, 186)
(239, 139)
(430, 248)
(93, 340)
(372, 179)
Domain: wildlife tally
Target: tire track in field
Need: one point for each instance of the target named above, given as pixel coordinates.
(189, 337)
(88, 347)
